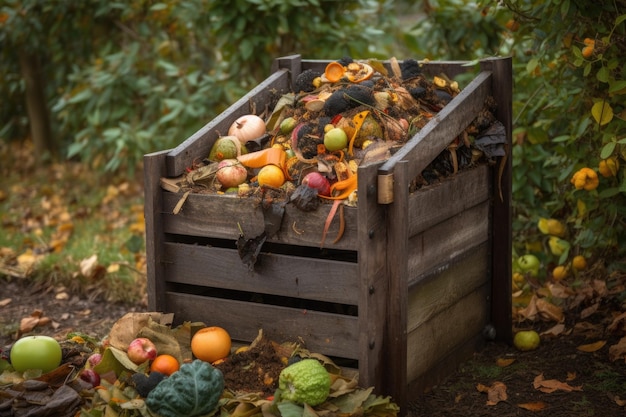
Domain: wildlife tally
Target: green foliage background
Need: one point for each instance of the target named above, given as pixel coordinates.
(128, 78)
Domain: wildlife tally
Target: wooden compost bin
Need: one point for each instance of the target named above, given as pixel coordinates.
(403, 297)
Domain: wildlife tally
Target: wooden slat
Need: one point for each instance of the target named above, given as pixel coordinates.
(453, 195)
(288, 276)
(154, 169)
(397, 274)
(198, 145)
(218, 216)
(446, 285)
(441, 130)
(330, 334)
(501, 217)
(373, 284)
(444, 332)
(440, 244)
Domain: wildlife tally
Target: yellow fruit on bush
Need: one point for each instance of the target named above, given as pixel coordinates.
(557, 245)
(551, 227)
(526, 340)
(579, 262)
(585, 178)
(608, 167)
(559, 272)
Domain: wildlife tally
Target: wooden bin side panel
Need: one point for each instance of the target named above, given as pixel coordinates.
(220, 217)
(439, 245)
(282, 275)
(436, 203)
(331, 334)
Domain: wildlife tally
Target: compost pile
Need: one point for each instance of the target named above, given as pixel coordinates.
(97, 377)
(305, 147)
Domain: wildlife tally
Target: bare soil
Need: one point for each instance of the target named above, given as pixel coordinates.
(597, 385)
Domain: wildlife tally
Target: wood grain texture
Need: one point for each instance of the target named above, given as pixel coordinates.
(283, 275)
(333, 334)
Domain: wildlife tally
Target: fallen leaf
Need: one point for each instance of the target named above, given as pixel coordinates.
(5, 302)
(618, 351)
(592, 347)
(62, 296)
(589, 330)
(571, 376)
(618, 400)
(495, 393)
(536, 406)
(36, 318)
(551, 385)
(617, 323)
(549, 311)
(503, 363)
(555, 330)
(589, 310)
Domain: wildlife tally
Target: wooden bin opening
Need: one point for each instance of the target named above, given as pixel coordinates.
(405, 294)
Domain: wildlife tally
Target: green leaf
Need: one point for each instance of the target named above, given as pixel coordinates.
(620, 19)
(609, 192)
(602, 112)
(603, 75)
(617, 87)
(607, 150)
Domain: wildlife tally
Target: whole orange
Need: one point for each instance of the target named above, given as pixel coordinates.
(211, 344)
(165, 364)
(271, 175)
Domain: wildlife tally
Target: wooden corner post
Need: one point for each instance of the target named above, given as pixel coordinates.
(501, 230)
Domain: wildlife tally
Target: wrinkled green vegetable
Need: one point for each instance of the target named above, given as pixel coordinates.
(303, 382)
(193, 390)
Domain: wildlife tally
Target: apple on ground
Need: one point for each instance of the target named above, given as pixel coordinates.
(140, 350)
(36, 352)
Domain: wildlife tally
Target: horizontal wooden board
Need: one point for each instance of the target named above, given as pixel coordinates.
(435, 203)
(445, 286)
(330, 334)
(220, 217)
(445, 241)
(443, 333)
(283, 275)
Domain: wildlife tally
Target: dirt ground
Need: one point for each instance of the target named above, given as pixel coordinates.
(585, 383)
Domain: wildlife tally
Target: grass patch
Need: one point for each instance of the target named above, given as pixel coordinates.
(70, 226)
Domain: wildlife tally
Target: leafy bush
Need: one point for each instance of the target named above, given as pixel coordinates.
(569, 113)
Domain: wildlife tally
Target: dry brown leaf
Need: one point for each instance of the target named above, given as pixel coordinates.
(618, 400)
(599, 286)
(592, 347)
(571, 376)
(617, 323)
(589, 310)
(555, 330)
(5, 302)
(549, 311)
(530, 311)
(495, 393)
(36, 318)
(589, 330)
(551, 385)
(503, 363)
(536, 406)
(618, 351)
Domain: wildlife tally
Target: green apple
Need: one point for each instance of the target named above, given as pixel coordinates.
(529, 263)
(36, 352)
(335, 139)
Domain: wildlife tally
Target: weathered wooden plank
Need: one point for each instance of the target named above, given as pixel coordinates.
(446, 125)
(501, 217)
(330, 334)
(435, 203)
(283, 275)
(449, 329)
(198, 145)
(397, 274)
(442, 243)
(373, 284)
(154, 169)
(446, 285)
(220, 217)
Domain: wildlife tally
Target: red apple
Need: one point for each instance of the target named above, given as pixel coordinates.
(90, 377)
(141, 350)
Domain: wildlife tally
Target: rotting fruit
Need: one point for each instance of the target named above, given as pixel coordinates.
(305, 382)
(271, 175)
(165, 364)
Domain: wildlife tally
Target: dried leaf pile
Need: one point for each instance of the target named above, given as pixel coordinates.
(251, 377)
